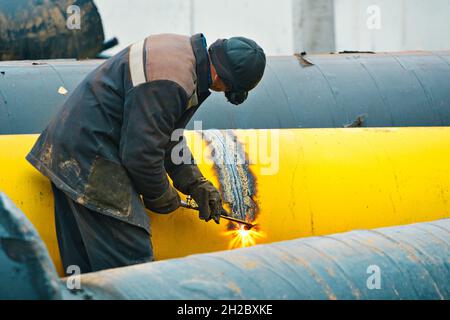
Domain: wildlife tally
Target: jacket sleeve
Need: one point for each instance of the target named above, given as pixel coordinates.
(184, 175)
(150, 113)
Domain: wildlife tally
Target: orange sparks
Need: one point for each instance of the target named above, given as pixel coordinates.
(242, 237)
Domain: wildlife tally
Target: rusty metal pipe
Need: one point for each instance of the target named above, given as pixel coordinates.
(407, 262)
(32, 29)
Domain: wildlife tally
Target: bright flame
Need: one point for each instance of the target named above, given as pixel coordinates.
(242, 237)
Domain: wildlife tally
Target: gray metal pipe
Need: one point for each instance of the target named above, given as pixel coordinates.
(406, 262)
(412, 262)
(26, 270)
(313, 91)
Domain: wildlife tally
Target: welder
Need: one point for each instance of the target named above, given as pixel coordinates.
(108, 150)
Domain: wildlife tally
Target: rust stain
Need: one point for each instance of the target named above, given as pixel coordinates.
(234, 287)
(250, 265)
(317, 278)
(304, 61)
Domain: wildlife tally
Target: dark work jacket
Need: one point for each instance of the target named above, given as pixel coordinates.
(110, 143)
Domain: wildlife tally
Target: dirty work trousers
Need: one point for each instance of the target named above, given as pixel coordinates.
(94, 241)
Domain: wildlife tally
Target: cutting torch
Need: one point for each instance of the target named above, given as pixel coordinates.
(190, 204)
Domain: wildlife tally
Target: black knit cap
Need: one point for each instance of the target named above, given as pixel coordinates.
(240, 64)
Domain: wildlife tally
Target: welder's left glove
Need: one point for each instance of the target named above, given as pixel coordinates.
(169, 201)
(208, 200)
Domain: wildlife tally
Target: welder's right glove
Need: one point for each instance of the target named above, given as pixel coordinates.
(208, 200)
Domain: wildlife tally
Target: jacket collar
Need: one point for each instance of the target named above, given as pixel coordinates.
(202, 68)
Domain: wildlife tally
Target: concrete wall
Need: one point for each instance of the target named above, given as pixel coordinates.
(313, 25)
(131, 21)
(268, 22)
(288, 26)
(402, 25)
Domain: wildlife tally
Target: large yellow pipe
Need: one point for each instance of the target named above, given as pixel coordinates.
(326, 181)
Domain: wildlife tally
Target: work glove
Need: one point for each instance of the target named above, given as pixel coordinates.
(208, 200)
(168, 202)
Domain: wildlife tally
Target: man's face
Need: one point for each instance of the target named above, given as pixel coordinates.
(217, 83)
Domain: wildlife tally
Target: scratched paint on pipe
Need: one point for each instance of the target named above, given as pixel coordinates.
(327, 181)
(237, 184)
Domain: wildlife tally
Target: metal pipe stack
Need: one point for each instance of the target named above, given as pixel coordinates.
(325, 144)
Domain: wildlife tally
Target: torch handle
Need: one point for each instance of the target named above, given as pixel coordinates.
(224, 214)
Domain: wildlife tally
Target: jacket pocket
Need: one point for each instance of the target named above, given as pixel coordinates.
(109, 187)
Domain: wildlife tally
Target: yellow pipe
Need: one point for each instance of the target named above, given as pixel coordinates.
(325, 181)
